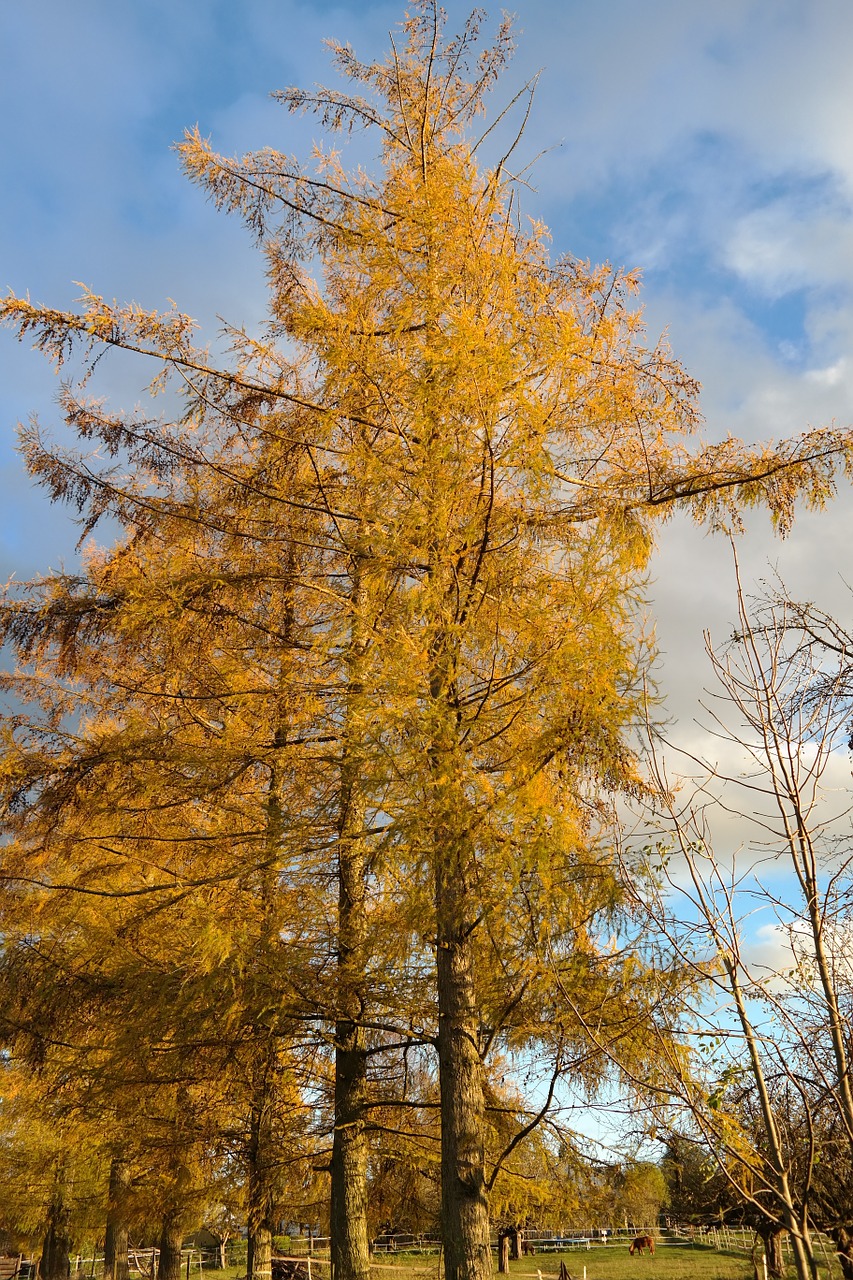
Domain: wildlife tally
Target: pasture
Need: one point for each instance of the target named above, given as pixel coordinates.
(603, 1262)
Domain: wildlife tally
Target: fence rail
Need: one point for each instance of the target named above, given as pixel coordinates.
(310, 1254)
(742, 1240)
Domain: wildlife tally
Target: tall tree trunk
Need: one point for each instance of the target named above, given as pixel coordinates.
(348, 1217)
(260, 1207)
(262, 1200)
(115, 1239)
(259, 1251)
(350, 1245)
(55, 1263)
(171, 1239)
(464, 1198)
(464, 1206)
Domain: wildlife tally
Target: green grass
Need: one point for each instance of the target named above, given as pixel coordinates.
(608, 1262)
(613, 1262)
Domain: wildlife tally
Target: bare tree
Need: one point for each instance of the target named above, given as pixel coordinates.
(778, 1031)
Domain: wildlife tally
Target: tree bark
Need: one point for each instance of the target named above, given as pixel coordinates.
(350, 1244)
(771, 1239)
(259, 1251)
(116, 1265)
(464, 1198)
(171, 1239)
(464, 1205)
(55, 1262)
(261, 1198)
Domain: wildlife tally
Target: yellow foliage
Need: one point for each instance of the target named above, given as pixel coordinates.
(346, 704)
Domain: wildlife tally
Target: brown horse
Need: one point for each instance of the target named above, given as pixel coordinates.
(639, 1243)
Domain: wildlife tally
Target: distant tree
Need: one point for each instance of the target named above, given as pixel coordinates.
(641, 1193)
(697, 1191)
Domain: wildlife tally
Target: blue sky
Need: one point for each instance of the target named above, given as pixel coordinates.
(710, 145)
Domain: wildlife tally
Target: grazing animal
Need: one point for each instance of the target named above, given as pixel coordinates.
(639, 1243)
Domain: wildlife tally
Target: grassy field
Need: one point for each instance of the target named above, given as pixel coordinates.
(610, 1262)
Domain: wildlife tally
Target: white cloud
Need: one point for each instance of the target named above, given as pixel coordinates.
(637, 81)
(783, 247)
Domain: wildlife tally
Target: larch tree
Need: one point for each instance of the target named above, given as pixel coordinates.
(144, 817)
(141, 860)
(54, 1167)
(107, 1007)
(460, 448)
